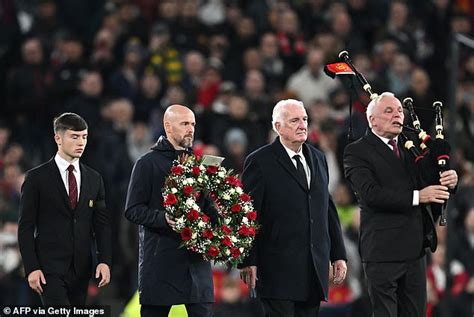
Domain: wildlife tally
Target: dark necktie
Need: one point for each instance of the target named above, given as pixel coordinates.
(395, 150)
(300, 170)
(72, 187)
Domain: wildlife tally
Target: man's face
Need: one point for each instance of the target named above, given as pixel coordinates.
(181, 130)
(293, 130)
(387, 117)
(71, 144)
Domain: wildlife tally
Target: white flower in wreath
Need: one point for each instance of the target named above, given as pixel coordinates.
(226, 196)
(194, 235)
(196, 207)
(185, 182)
(234, 239)
(245, 220)
(232, 191)
(190, 202)
(174, 190)
(241, 250)
(200, 180)
(201, 167)
(221, 174)
(227, 221)
(227, 252)
(245, 208)
(201, 224)
(190, 181)
(239, 190)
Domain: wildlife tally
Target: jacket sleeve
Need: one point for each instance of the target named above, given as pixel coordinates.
(361, 175)
(252, 179)
(29, 205)
(137, 206)
(102, 229)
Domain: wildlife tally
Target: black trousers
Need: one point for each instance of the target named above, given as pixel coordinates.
(286, 308)
(68, 289)
(193, 310)
(397, 289)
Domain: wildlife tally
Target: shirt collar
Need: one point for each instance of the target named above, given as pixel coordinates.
(385, 140)
(292, 153)
(63, 164)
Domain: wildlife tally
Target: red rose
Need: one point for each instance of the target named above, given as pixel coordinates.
(235, 252)
(205, 218)
(235, 208)
(213, 251)
(170, 199)
(226, 241)
(226, 229)
(251, 215)
(251, 231)
(177, 170)
(186, 234)
(187, 190)
(193, 215)
(208, 234)
(196, 170)
(211, 169)
(243, 231)
(232, 180)
(244, 197)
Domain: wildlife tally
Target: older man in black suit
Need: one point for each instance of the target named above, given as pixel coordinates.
(300, 233)
(62, 214)
(396, 224)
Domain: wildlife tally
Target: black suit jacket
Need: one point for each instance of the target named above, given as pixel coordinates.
(300, 230)
(391, 228)
(51, 234)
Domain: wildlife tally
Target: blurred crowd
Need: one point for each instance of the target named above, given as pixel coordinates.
(120, 63)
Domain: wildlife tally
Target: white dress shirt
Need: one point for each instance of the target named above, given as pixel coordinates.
(63, 166)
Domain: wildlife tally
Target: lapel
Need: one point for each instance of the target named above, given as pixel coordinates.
(84, 179)
(285, 161)
(384, 151)
(58, 182)
(313, 165)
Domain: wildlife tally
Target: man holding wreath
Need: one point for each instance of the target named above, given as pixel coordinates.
(168, 274)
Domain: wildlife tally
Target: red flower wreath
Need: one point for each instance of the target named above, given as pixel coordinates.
(230, 239)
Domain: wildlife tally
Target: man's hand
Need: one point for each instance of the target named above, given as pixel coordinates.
(170, 222)
(35, 279)
(249, 275)
(104, 271)
(449, 178)
(339, 271)
(434, 194)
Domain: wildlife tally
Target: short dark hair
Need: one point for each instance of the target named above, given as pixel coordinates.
(69, 121)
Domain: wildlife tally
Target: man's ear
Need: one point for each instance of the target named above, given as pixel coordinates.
(277, 126)
(167, 126)
(57, 138)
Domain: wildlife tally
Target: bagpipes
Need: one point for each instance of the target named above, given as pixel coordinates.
(433, 155)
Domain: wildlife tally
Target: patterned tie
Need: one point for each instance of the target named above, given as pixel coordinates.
(300, 170)
(395, 150)
(72, 187)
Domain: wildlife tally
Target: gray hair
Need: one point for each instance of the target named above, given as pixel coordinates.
(370, 107)
(280, 107)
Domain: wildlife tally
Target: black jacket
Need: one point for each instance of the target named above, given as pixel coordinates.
(300, 230)
(168, 273)
(391, 229)
(51, 234)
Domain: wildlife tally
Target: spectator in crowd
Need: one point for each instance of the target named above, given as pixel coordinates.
(301, 233)
(59, 223)
(310, 82)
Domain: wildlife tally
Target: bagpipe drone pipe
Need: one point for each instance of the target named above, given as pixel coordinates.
(431, 156)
